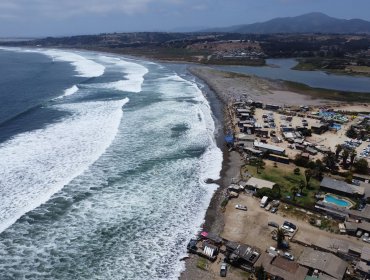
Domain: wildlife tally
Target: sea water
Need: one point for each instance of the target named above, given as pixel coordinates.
(103, 163)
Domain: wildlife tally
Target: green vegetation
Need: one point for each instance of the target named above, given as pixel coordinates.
(202, 263)
(224, 202)
(361, 166)
(327, 93)
(289, 184)
(280, 236)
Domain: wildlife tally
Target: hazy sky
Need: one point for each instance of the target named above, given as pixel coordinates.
(70, 17)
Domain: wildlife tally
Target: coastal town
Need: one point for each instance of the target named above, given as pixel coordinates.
(297, 206)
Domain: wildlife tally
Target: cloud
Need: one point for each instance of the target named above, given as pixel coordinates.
(69, 8)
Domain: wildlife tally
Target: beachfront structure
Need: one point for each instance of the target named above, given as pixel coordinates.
(340, 187)
(269, 148)
(255, 183)
(241, 255)
(326, 264)
(320, 129)
(277, 266)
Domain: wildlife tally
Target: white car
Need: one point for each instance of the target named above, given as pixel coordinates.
(288, 229)
(241, 207)
(288, 256)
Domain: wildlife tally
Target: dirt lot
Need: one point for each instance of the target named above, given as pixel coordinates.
(250, 226)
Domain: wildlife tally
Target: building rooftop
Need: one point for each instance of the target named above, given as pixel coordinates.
(281, 267)
(324, 262)
(341, 186)
(365, 254)
(268, 147)
(259, 183)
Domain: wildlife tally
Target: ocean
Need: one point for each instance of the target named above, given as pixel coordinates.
(103, 163)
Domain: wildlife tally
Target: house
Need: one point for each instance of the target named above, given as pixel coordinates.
(340, 187)
(272, 107)
(255, 183)
(326, 264)
(269, 148)
(241, 255)
(277, 158)
(320, 129)
(363, 215)
(311, 151)
(281, 267)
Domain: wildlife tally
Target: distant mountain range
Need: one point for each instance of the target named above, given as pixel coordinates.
(307, 23)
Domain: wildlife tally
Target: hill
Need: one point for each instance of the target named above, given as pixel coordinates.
(307, 23)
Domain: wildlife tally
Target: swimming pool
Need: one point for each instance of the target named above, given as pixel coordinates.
(337, 201)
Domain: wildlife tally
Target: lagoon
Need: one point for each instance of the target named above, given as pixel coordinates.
(281, 69)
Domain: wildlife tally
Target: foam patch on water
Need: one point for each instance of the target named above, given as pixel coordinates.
(69, 91)
(37, 164)
(133, 75)
(85, 67)
(212, 158)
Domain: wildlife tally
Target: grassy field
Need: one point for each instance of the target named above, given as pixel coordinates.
(285, 177)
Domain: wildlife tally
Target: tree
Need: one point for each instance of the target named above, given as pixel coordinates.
(308, 175)
(345, 156)
(352, 155)
(361, 166)
(351, 132)
(294, 192)
(301, 186)
(258, 163)
(300, 161)
(277, 190)
(260, 273)
(338, 149)
(329, 161)
(280, 236)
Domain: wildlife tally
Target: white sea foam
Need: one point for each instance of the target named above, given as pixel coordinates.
(133, 73)
(69, 91)
(37, 164)
(85, 67)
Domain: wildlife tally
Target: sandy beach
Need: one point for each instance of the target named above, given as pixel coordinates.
(231, 86)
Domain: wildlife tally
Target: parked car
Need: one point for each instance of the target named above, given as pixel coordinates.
(274, 209)
(223, 269)
(275, 203)
(288, 256)
(272, 251)
(241, 207)
(287, 228)
(268, 207)
(273, 224)
(291, 225)
(365, 237)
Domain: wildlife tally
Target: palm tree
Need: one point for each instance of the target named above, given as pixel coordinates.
(280, 236)
(330, 161)
(294, 192)
(338, 149)
(353, 155)
(260, 273)
(345, 156)
(301, 186)
(308, 174)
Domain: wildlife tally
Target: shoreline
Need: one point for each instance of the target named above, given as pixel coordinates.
(231, 164)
